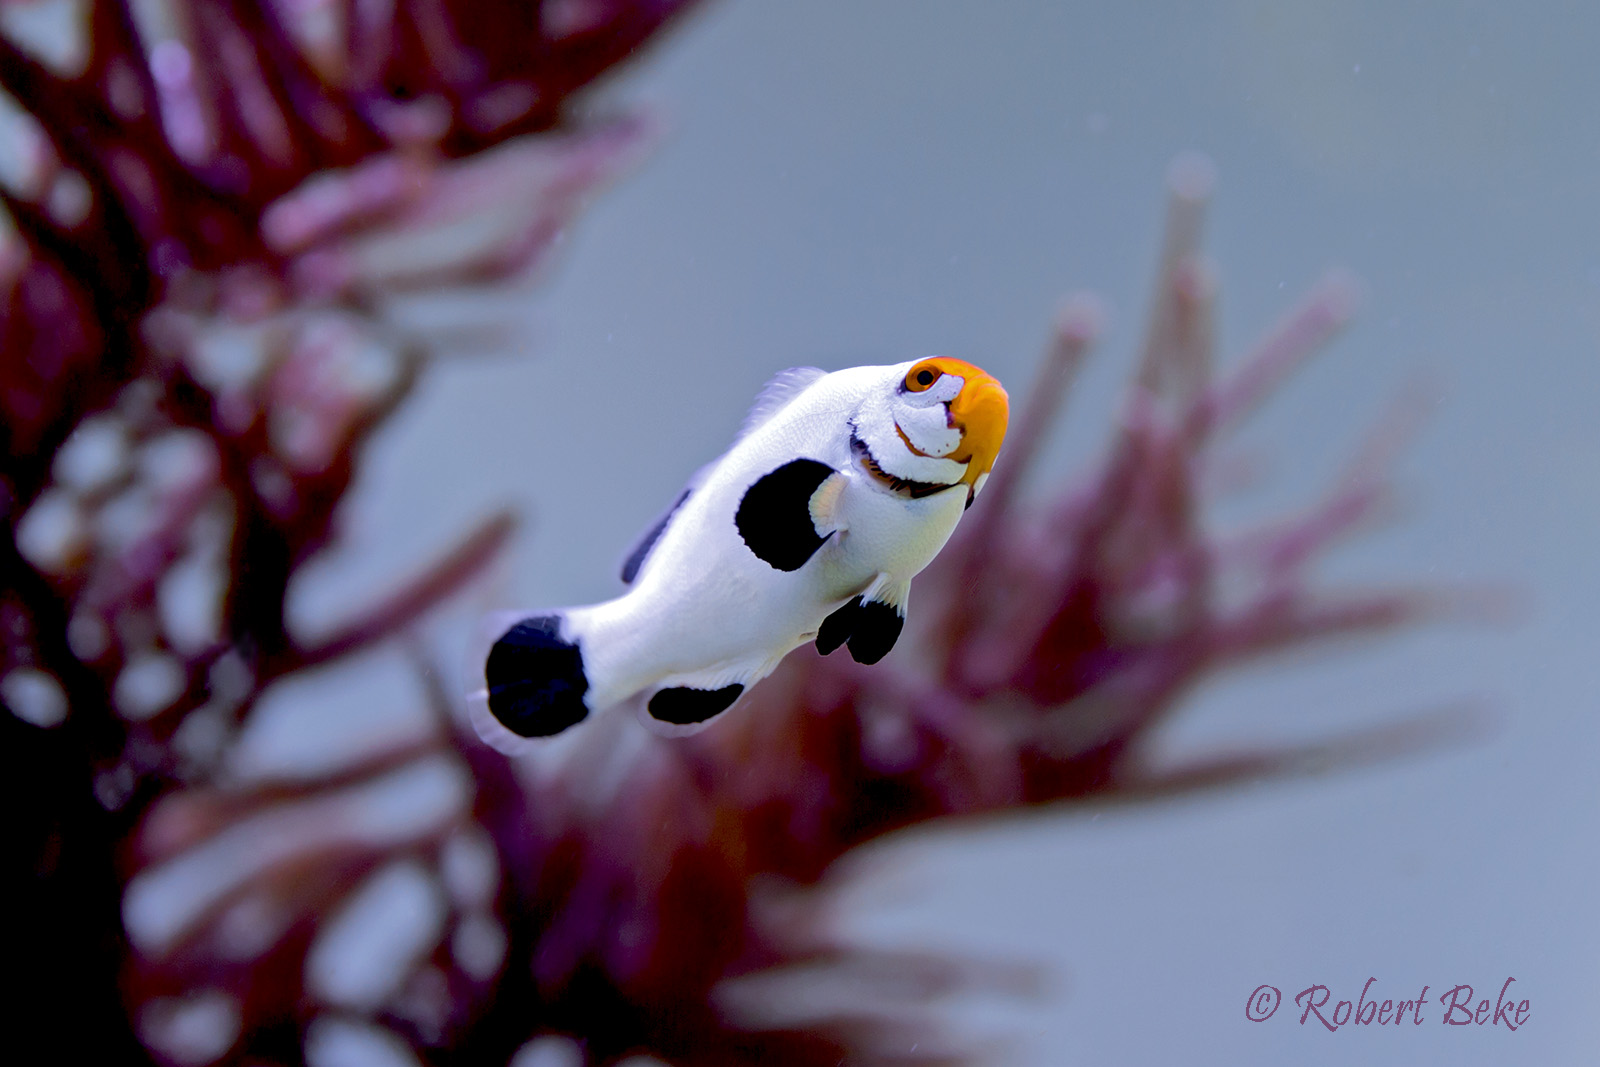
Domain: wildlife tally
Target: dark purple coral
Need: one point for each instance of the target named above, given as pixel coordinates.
(210, 204)
(214, 217)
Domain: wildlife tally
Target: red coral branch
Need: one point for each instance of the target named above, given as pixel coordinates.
(192, 359)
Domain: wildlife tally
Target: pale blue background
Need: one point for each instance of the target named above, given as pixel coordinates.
(858, 181)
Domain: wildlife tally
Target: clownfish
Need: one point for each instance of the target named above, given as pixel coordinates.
(839, 489)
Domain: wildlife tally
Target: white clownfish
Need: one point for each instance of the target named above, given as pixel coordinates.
(839, 489)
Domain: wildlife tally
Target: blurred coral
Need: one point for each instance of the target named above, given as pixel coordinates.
(216, 205)
(209, 212)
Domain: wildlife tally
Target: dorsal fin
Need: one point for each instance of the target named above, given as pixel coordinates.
(775, 396)
(641, 550)
(634, 563)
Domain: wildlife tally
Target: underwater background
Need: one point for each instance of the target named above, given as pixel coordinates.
(871, 182)
(868, 182)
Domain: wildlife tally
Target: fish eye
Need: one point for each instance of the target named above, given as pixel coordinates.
(921, 378)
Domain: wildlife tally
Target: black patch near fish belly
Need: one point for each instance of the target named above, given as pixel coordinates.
(536, 680)
(641, 551)
(837, 627)
(874, 630)
(774, 518)
(682, 706)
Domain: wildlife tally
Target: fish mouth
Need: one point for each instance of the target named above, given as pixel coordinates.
(906, 487)
(981, 411)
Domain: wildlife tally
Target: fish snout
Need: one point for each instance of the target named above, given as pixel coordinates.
(981, 411)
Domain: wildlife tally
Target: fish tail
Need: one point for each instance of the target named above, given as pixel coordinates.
(537, 684)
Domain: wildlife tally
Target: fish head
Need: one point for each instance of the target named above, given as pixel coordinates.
(951, 409)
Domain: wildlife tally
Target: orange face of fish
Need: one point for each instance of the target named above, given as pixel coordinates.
(980, 411)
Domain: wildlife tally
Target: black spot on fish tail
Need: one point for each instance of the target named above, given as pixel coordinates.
(874, 631)
(836, 628)
(682, 706)
(536, 680)
(774, 518)
(641, 551)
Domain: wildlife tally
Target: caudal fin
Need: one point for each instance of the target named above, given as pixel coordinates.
(536, 681)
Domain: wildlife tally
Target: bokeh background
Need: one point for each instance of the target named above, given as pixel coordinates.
(873, 180)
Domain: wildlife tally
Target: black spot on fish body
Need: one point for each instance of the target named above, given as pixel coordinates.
(836, 628)
(641, 551)
(774, 518)
(874, 630)
(536, 680)
(682, 706)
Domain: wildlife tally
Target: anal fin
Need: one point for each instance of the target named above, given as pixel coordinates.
(683, 705)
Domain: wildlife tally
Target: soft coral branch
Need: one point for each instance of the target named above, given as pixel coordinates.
(165, 277)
